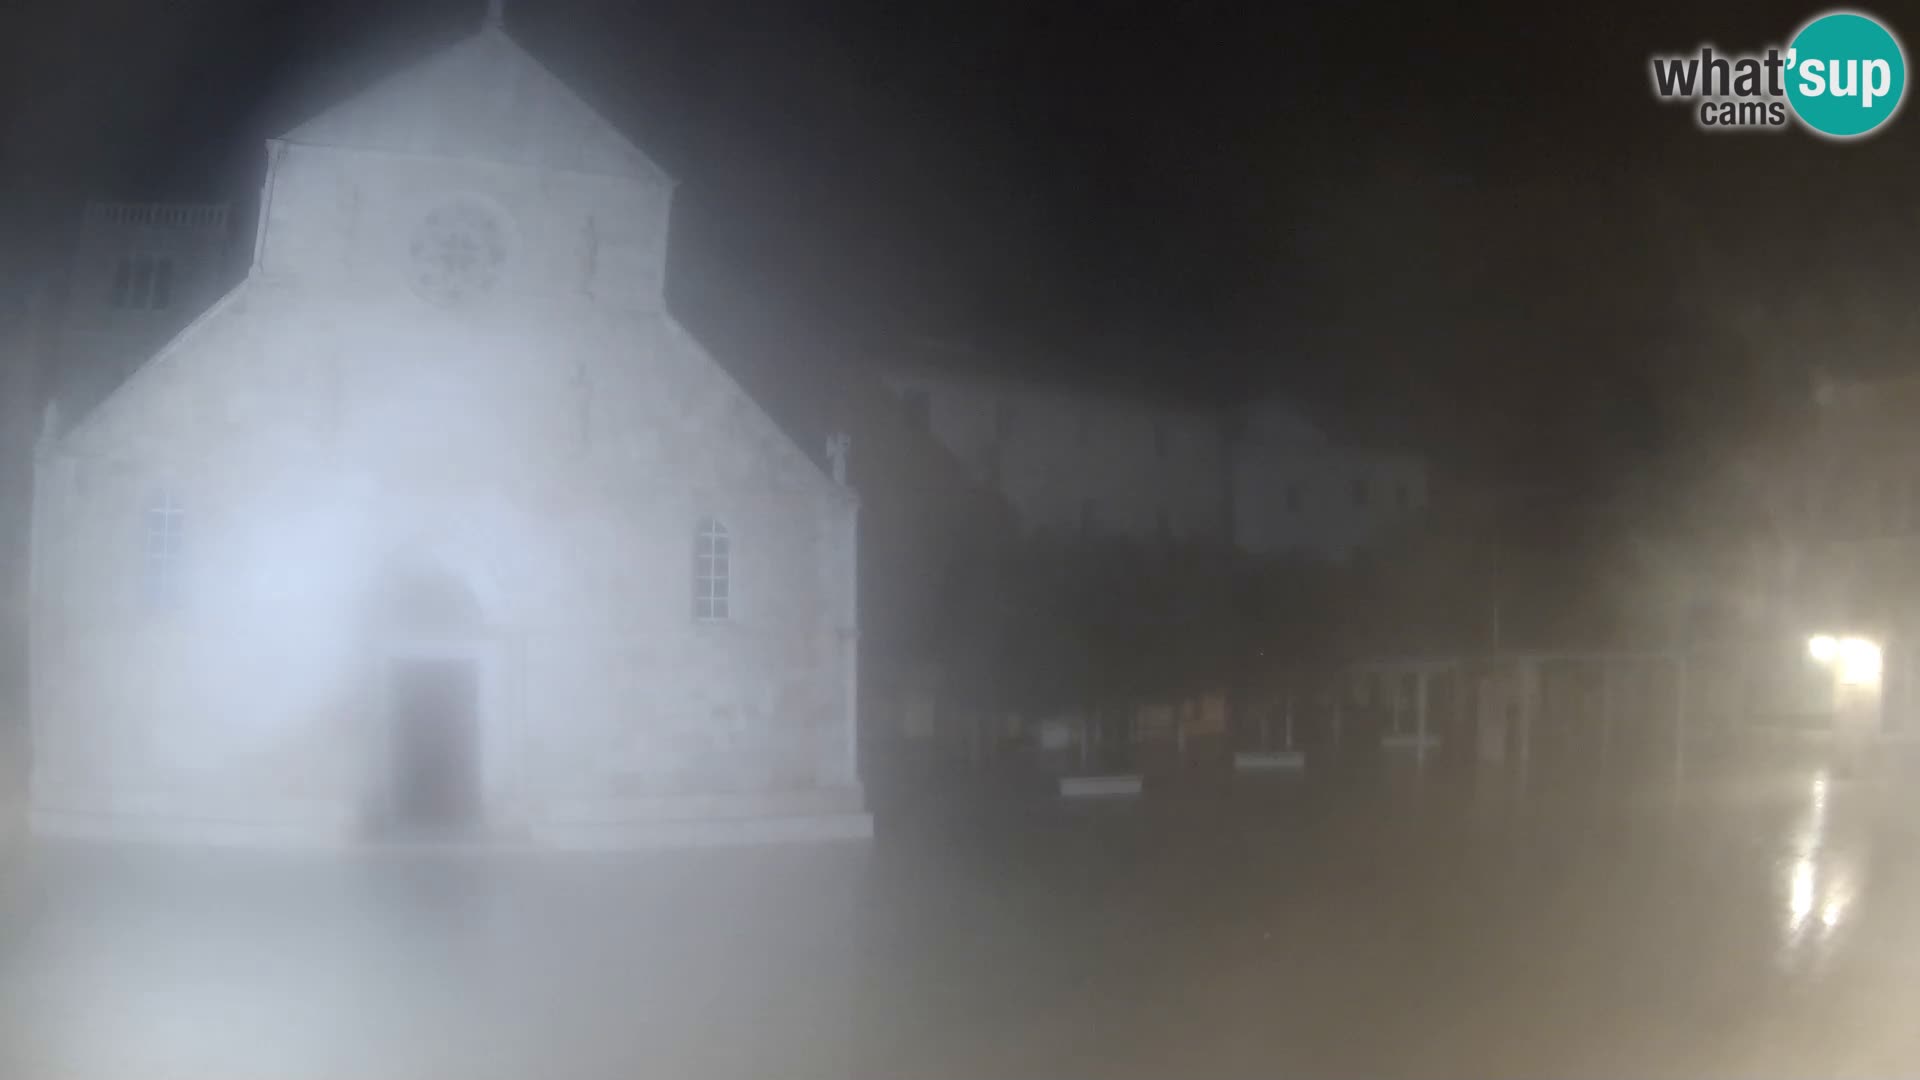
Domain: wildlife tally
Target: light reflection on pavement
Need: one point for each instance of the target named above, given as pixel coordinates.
(1764, 921)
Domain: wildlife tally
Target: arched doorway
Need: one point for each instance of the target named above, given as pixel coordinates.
(432, 672)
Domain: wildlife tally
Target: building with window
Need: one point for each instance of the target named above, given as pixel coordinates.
(1077, 462)
(438, 523)
(1297, 492)
(138, 273)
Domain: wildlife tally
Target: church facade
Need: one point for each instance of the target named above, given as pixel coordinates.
(438, 523)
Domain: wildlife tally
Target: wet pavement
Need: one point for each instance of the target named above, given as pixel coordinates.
(1758, 919)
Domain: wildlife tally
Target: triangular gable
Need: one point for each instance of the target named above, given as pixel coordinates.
(483, 98)
(91, 418)
(813, 468)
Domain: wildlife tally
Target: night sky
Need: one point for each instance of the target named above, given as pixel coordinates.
(1470, 229)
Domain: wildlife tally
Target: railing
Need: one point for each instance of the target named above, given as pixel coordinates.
(175, 215)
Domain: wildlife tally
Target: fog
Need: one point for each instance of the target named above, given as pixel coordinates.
(590, 538)
(1385, 923)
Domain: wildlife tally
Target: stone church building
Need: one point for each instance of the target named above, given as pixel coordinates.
(438, 524)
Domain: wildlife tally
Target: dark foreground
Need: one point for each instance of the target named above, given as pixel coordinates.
(1756, 920)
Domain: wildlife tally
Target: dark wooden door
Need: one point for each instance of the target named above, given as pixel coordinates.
(435, 744)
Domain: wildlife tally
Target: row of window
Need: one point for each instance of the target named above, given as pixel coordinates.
(918, 406)
(163, 550)
(1359, 491)
(142, 283)
(1091, 523)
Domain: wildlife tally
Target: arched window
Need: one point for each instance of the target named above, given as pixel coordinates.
(163, 544)
(712, 565)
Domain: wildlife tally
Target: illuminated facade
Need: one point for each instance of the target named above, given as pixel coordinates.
(439, 524)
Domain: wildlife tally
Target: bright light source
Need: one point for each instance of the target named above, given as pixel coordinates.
(1800, 894)
(1830, 915)
(1859, 662)
(1822, 647)
(1856, 660)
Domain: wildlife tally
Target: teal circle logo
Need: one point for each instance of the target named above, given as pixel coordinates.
(1845, 74)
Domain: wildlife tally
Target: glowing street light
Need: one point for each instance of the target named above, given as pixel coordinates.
(1856, 661)
(1859, 662)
